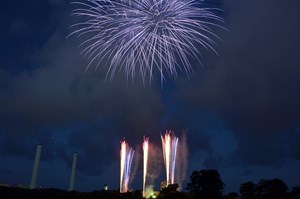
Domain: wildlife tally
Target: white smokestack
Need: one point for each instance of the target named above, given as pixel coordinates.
(72, 179)
(36, 166)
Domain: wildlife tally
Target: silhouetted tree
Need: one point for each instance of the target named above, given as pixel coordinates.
(295, 193)
(272, 189)
(132, 195)
(247, 190)
(108, 194)
(232, 195)
(206, 184)
(170, 192)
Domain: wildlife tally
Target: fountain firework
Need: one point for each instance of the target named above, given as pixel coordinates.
(126, 154)
(145, 156)
(169, 143)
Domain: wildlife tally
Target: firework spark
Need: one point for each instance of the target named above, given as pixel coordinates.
(145, 156)
(169, 143)
(126, 154)
(145, 36)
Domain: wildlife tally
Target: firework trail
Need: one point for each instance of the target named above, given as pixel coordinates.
(169, 143)
(125, 167)
(181, 161)
(145, 166)
(145, 36)
(153, 168)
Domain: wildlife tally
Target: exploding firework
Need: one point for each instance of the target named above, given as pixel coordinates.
(145, 36)
(145, 163)
(126, 154)
(169, 143)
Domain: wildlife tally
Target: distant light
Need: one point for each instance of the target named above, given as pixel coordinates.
(105, 187)
(152, 195)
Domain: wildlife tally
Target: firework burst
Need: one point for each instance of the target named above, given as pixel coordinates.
(145, 36)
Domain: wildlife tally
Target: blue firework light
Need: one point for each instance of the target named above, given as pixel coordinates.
(145, 36)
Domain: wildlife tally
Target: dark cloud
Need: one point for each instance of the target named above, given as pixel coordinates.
(94, 153)
(212, 162)
(12, 146)
(59, 94)
(254, 85)
(293, 141)
(262, 151)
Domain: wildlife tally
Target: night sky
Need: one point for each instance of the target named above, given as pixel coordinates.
(239, 111)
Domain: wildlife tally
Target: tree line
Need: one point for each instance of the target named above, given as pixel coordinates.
(203, 184)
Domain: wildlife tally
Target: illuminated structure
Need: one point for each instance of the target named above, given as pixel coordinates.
(73, 172)
(36, 167)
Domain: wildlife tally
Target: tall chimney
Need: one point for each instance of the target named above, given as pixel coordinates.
(72, 179)
(36, 167)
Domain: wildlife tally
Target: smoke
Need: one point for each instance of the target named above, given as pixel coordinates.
(181, 161)
(135, 164)
(155, 163)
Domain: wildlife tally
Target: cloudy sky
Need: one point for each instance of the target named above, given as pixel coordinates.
(239, 111)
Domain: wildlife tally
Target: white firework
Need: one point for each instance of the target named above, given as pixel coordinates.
(145, 36)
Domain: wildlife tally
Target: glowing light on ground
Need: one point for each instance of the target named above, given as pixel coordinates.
(169, 143)
(126, 154)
